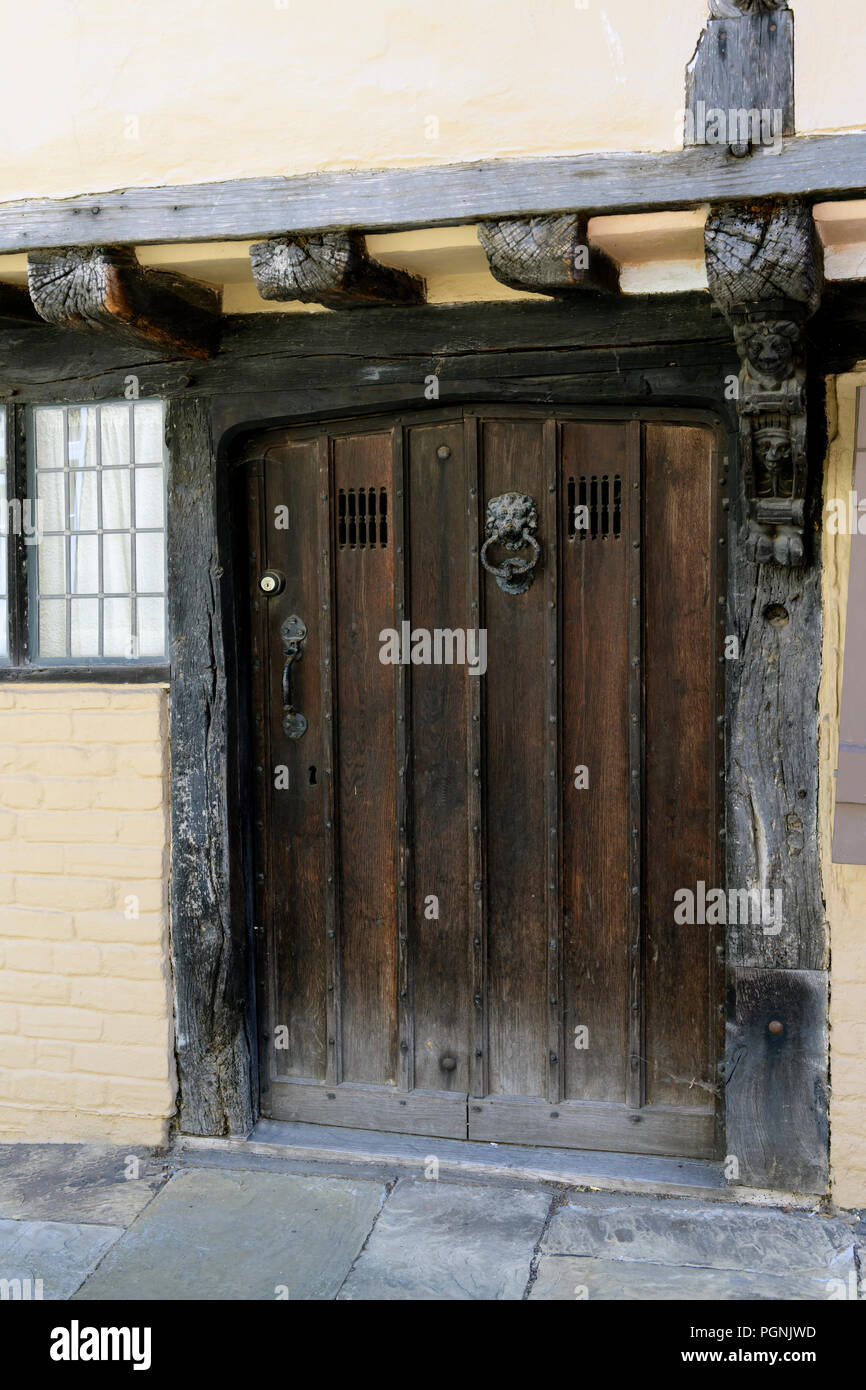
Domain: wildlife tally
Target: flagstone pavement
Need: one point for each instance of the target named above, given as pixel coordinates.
(93, 1222)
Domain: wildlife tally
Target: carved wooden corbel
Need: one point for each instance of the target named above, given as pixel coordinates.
(764, 266)
(547, 255)
(330, 268)
(105, 288)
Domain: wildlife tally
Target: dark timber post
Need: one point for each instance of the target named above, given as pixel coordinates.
(764, 271)
(208, 931)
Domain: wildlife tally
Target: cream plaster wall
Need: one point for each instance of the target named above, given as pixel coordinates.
(86, 1041)
(844, 884)
(97, 95)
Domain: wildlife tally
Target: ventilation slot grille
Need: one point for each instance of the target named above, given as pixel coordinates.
(595, 507)
(362, 518)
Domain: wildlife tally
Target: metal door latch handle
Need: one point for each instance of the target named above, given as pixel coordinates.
(293, 632)
(512, 521)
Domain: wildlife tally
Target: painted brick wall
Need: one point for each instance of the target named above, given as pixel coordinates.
(85, 987)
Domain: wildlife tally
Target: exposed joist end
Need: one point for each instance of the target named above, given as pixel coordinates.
(547, 255)
(330, 268)
(105, 289)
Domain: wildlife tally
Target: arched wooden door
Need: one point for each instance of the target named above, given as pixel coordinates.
(465, 888)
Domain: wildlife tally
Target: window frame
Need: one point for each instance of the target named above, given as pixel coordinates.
(21, 664)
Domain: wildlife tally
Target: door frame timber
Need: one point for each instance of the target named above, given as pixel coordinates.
(672, 352)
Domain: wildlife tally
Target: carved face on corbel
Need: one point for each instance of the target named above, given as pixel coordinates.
(773, 450)
(769, 348)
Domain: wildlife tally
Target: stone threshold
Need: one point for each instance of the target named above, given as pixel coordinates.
(360, 1152)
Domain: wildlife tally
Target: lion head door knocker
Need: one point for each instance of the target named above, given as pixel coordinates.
(512, 521)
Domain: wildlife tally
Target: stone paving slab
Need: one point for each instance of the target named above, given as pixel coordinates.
(568, 1277)
(212, 1234)
(78, 1182)
(688, 1233)
(59, 1253)
(438, 1240)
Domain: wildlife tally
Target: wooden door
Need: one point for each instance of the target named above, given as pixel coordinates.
(465, 881)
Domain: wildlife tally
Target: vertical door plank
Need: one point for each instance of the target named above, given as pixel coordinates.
(596, 719)
(442, 951)
(680, 679)
(514, 786)
(477, 809)
(297, 859)
(633, 502)
(403, 771)
(551, 732)
(327, 775)
(364, 590)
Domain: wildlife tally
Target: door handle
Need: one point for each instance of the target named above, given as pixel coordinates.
(293, 632)
(512, 521)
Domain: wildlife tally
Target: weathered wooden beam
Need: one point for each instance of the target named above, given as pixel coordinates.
(813, 166)
(208, 931)
(16, 306)
(740, 83)
(777, 1079)
(765, 271)
(547, 255)
(331, 268)
(105, 288)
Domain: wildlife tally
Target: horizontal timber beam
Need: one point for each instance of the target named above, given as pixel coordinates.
(808, 166)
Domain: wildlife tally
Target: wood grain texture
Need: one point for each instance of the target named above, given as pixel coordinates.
(105, 288)
(773, 764)
(681, 774)
(333, 269)
(822, 166)
(367, 776)
(293, 838)
(744, 62)
(547, 255)
(440, 543)
(669, 349)
(657, 1129)
(777, 1080)
(596, 832)
(208, 936)
(513, 781)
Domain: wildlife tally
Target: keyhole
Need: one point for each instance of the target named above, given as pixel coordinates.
(312, 776)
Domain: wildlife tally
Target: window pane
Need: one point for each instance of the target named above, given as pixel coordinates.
(103, 522)
(150, 563)
(84, 564)
(117, 565)
(118, 628)
(149, 444)
(82, 428)
(149, 497)
(52, 565)
(116, 511)
(151, 627)
(85, 627)
(83, 514)
(52, 627)
(51, 495)
(115, 425)
(48, 433)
